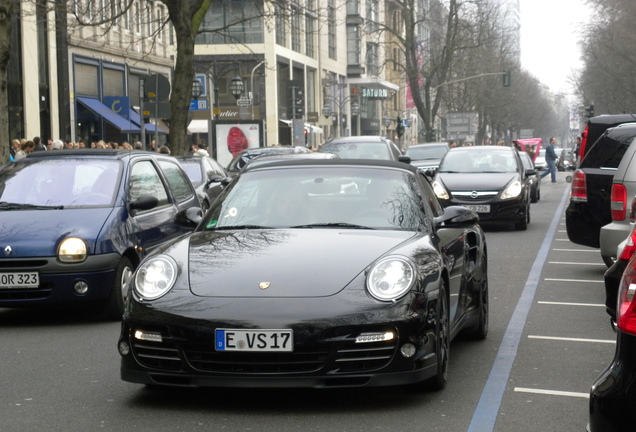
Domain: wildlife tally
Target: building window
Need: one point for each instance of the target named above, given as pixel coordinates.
(137, 18)
(281, 26)
(231, 22)
(353, 45)
(331, 29)
(353, 7)
(86, 80)
(372, 59)
(149, 18)
(372, 16)
(160, 24)
(310, 29)
(295, 29)
(113, 82)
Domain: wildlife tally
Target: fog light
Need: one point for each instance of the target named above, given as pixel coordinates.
(148, 336)
(407, 350)
(124, 348)
(80, 287)
(374, 337)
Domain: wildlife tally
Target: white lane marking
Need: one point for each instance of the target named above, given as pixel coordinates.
(572, 339)
(571, 304)
(574, 280)
(576, 263)
(577, 250)
(552, 392)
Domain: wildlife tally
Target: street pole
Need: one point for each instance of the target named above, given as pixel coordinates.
(142, 127)
(252, 86)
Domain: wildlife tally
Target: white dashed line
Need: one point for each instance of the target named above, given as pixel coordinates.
(571, 304)
(572, 339)
(552, 392)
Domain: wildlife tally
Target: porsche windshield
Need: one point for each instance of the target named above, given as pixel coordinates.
(308, 197)
(56, 182)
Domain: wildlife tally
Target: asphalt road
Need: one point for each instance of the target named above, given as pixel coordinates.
(549, 339)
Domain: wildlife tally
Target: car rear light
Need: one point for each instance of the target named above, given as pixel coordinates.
(619, 202)
(583, 143)
(626, 307)
(579, 187)
(630, 246)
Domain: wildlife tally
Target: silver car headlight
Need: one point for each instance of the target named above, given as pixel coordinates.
(391, 278)
(512, 191)
(155, 277)
(440, 191)
(72, 250)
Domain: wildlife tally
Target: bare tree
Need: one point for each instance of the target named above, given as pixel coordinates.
(6, 13)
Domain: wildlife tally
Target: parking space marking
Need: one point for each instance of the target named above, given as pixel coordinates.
(487, 409)
(552, 392)
(571, 304)
(566, 339)
(576, 250)
(574, 280)
(576, 263)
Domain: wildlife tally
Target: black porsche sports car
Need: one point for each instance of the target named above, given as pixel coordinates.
(310, 273)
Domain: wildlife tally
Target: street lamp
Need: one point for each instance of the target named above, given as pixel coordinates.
(197, 88)
(237, 86)
(326, 111)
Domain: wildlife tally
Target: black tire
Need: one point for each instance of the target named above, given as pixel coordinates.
(522, 225)
(119, 292)
(442, 349)
(480, 331)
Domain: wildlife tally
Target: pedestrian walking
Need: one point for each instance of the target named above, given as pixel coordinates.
(550, 159)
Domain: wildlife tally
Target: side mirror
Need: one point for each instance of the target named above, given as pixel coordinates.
(189, 218)
(144, 202)
(405, 159)
(430, 173)
(531, 172)
(456, 217)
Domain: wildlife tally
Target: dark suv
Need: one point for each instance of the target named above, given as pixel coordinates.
(589, 207)
(596, 126)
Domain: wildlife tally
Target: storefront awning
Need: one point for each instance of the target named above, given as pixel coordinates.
(375, 83)
(308, 127)
(98, 108)
(149, 127)
(198, 126)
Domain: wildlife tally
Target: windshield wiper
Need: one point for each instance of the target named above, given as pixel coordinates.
(238, 227)
(15, 206)
(332, 225)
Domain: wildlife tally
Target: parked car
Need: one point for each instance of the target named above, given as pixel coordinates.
(590, 198)
(567, 160)
(540, 162)
(239, 161)
(623, 186)
(76, 223)
(207, 177)
(488, 179)
(388, 279)
(268, 158)
(612, 405)
(596, 126)
(364, 147)
(427, 156)
(533, 179)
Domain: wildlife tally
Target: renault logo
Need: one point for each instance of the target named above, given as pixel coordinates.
(264, 285)
(8, 250)
(474, 194)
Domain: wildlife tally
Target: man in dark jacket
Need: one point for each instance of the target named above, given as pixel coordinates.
(550, 159)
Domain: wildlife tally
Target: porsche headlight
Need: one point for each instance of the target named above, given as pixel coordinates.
(72, 250)
(155, 277)
(390, 278)
(512, 191)
(439, 190)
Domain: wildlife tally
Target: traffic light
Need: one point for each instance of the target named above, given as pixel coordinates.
(399, 129)
(506, 78)
(589, 111)
(297, 102)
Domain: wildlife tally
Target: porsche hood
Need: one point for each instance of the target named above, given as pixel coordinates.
(283, 263)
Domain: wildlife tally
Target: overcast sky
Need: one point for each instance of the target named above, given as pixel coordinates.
(549, 33)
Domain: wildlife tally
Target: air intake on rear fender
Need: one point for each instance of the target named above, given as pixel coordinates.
(579, 187)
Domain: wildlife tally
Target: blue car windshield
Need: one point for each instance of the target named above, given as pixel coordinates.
(57, 182)
(318, 197)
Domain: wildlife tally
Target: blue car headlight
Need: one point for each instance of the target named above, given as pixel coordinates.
(391, 278)
(155, 277)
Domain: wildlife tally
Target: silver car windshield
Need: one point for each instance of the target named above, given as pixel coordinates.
(68, 182)
(363, 197)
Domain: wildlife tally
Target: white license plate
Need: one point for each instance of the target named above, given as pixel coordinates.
(485, 208)
(254, 340)
(19, 280)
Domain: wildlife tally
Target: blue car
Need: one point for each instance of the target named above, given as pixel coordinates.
(74, 224)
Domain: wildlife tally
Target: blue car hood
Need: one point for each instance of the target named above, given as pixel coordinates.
(477, 181)
(37, 233)
(295, 262)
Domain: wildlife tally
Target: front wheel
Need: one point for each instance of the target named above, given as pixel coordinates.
(522, 225)
(120, 290)
(442, 348)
